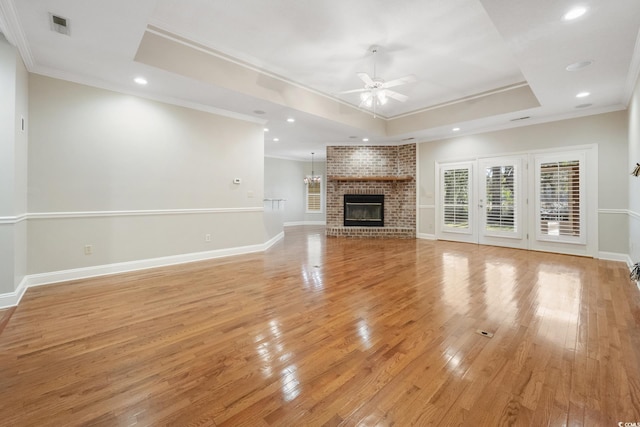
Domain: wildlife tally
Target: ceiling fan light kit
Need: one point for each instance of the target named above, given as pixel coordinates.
(376, 92)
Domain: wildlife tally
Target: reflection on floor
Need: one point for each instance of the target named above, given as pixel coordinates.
(332, 331)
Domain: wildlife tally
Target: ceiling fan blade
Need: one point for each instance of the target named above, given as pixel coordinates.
(395, 95)
(401, 81)
(353, 91)
(365, 78)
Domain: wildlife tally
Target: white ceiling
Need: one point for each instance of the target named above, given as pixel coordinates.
(456, 49)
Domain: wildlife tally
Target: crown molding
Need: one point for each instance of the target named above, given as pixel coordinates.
(634, 72)
(101, 84)
(11, 28)
(533, 121)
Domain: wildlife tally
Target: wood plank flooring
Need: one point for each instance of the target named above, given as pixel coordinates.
(325, 332)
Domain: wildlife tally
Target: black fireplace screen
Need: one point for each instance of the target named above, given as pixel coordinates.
(364, 210)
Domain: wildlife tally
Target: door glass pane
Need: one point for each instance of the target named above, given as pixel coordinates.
(559, 199)
(500, 198)
(456, 198)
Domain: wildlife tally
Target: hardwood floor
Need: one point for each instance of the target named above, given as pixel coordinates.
(321, 331)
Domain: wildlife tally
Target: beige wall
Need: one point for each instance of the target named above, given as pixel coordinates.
(104, 169)
(283, 180)
(634, 182)
(608, 131)
(13, 167)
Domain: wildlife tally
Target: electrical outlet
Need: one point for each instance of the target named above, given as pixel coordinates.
(207, 237)
(88, 249)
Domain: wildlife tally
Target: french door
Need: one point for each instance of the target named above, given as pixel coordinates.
(502, 193)
(530, 201)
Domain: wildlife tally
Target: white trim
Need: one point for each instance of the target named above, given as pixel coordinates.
(190, 40)
(426, 236)
(298, 223)
(464, 99)
(275, 239)
(579, 113)
(13, 219)
(105, 85)
(13, 31)
(614, 256)
(614, 211)
(427, 206)
(634, 215)
(97, 214)
(634, 72)
(13, 298)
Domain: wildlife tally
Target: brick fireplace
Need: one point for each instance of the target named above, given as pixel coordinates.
(373, 170)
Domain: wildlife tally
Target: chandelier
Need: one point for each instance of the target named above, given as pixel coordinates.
(313, 178)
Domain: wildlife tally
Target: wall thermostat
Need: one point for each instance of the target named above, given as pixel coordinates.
(237, 180)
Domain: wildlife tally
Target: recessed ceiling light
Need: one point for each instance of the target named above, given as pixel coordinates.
(266, 129)
(291, 120)
(574, 13)
(583, 95)
(455, 129)
(578, 65)
(276, 139)
(140, 80)
(365, 139)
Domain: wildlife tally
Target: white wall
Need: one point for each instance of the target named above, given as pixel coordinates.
(634, 182)
(283, 180)
(135, 179)
(608, 131)
(13, 167)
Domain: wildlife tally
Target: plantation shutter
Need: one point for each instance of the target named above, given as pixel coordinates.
(314, 197)
(455, 198)
(500, 199)
(560, 199)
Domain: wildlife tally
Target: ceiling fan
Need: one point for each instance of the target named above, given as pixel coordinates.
(376, 90)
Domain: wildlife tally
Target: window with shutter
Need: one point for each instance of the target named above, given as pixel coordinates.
(560, 199)
(500, 203)
(455, 193)
(314, 197)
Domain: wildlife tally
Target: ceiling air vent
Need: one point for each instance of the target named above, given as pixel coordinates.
(59, 24)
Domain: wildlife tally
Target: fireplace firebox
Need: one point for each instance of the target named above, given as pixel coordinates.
(364, 210)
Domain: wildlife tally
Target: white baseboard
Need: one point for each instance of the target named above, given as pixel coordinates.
(297, 223)
(11, 299)
(274, 240)
(426, 236)
(613, 256)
